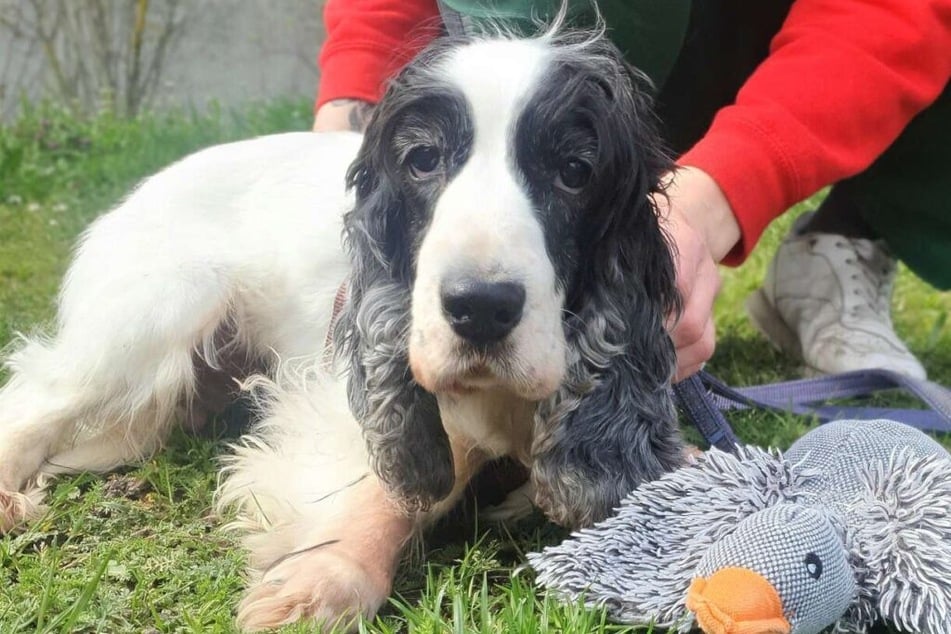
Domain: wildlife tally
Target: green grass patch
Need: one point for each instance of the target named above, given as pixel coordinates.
(139, 551)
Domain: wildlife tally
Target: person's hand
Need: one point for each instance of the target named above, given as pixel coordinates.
(343, 114)
(702, 230)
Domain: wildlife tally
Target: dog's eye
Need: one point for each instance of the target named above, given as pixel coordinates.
(573, 175)
(423, 160)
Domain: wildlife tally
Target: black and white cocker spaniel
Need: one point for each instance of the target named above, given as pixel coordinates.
(506, 283)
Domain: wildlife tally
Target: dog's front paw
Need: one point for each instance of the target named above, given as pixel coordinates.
(322, 585)
(16, 509)
(517, 505)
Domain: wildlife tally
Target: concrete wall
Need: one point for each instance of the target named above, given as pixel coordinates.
(230, 51)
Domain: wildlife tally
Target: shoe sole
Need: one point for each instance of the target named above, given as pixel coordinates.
(770, 324)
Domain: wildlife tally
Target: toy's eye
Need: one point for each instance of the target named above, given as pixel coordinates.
(813, 565)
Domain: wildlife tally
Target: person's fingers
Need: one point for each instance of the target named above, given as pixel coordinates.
(694, 334)
(698, 282)
(702, 229)
(697, 309)
(691, 358)
(688, 251)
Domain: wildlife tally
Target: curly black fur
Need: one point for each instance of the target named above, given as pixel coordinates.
(408, 446)
(613, 423)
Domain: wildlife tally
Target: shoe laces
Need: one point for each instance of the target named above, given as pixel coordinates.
(868, 275)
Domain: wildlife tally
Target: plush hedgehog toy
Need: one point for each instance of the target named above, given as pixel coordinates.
(851, 525)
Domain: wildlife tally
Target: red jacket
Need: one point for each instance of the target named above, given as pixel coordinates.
(842, 80)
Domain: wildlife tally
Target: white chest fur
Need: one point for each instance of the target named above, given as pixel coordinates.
(497, 422)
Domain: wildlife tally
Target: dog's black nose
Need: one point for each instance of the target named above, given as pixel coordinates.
(483, 312)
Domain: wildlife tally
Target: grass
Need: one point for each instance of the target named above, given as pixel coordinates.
(139, 551)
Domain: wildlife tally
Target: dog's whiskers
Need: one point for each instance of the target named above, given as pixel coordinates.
(338, 490)
(295, 553)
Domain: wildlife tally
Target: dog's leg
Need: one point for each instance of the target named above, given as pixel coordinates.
(324, 537)
(105, 388)
(64, 413)
(339, 569)
(342, 566)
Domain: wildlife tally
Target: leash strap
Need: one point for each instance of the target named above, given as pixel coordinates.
(703, 398)
(695, 401)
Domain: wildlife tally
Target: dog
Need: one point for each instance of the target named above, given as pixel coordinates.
(502, 285)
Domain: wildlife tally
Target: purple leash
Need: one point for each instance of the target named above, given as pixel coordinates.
(703, 398)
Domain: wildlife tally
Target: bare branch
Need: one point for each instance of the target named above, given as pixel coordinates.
(96, 48)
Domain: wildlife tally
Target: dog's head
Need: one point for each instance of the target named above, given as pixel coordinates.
(504, 237)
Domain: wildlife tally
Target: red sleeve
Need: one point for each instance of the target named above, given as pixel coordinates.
(368, 41)
(842, 80)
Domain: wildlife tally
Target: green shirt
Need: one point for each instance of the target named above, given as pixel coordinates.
(648, 32)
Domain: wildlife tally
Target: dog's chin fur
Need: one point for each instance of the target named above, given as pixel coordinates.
(468, 371)
(230, 261)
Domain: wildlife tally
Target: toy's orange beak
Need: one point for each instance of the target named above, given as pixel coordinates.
(736, 601)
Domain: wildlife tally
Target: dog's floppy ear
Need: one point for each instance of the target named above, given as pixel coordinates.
(408, 447)
(613, 424)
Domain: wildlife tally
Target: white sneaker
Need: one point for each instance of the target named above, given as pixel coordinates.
(826, 299)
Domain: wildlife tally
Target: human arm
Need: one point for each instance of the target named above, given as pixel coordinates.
(367, 42)
(842, 80)
(342, 114)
